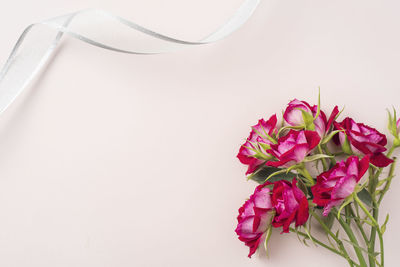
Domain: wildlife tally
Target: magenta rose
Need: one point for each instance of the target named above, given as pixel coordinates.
(293, 147)
(338, 183)
(253, 151)
(363, 140)
(287, 203)
(290, 205)
(294, 116)
(255, 218)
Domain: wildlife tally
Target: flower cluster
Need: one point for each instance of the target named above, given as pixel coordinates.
(281, 206)
(279, 156)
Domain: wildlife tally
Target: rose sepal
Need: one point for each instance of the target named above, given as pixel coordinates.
(392, 124)
(277, 173)
(383, 227)
(317, 157)
(309, 180)
(301, 127)
(346, 147)
(269, 233)
(330, 136)
(346, 202)
(308, 120)
(393, 127)
(264, 134)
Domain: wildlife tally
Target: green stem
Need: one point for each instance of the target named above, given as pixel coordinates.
(358, 224)
(348, 214)
(303, 170)
(388, 182)
(353, 239)
(382, 248)
(322, 244)
(379, 172)
(374, 230)
(375, 212)
(371, 246)
(366, 211)
(337, 240)
(391, 150)
(373, 182)
(323, 160)
(327, 151)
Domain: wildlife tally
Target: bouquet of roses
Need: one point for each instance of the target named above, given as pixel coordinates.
(314, 169)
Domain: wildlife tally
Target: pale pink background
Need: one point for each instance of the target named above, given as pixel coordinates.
(117, 160)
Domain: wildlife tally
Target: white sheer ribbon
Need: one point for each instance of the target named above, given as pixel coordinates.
(37, 43)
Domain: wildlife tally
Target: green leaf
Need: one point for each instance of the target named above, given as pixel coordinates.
(274, 174)
(365, 197)
(316, 157)
(383, 227)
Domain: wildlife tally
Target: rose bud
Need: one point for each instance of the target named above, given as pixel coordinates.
(293, 116)
(338, 183)
(290, 205)
(255, 218)
(363, 140)
(253, 151)
(394, 127)
(396, 141)
(293, 147)
(398, 125)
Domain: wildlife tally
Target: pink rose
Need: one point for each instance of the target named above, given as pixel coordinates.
(363, 140)
(253, 151)
(338, 183)
(293, 147)
(294, 116)
(287, 203)
(255, 218)
(290, 205)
